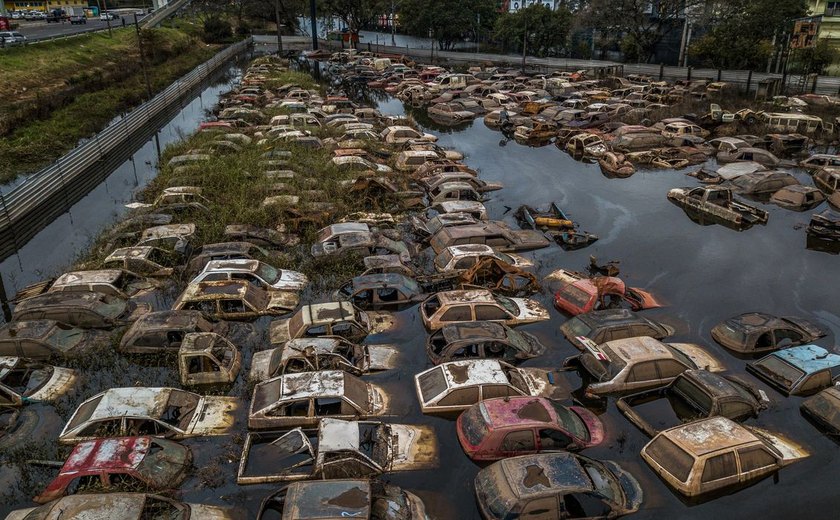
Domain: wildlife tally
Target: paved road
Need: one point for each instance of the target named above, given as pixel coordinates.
(40, 30)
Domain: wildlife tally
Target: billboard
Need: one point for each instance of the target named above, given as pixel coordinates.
(805, 33)
(515, 5)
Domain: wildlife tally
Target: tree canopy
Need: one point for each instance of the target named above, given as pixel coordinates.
(544, 31)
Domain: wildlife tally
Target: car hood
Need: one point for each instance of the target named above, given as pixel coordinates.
(593, 425)
(291, 281)
(260, 366)
(808, 326)
(283, 300)
(382, 357)
(214, 416)
(700, 357)
(542, 383)
(633, 495)
(414, 447)
(520, 261)
(530, 311)
(61, 381)
(278, 332)
(790, 451)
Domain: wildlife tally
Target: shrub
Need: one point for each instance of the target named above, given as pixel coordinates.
(217, 30)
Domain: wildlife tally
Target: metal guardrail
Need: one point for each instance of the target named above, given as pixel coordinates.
(29, 206)
(161, 14)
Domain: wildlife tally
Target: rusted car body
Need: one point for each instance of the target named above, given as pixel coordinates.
(699, 457)
(48, 339)
(258, 273)
(616, 165)
(456, 385)
(363, 499)
(82, 309)
(494, 234)
(302, 399)
(756, 332)
(161, 412)
(761, 184)
(264, 237)
(380, 292)
(693, 395)
(349, 449)
(205, 358)
(24, 381)
(717, 202)
(132, 462)
(500, 277)
(223, 251)
(481, 339)
(163, 331)
(509, 426)
(801, 370)
(112, 282)
(123, 506)
(633, 364)
(578, 293)
(798, 197)
(146, 260)
(823, 409)
(235, 300)
(329, 319)
(479, 305)
(323, 353)
(556, 485)
(463, 258)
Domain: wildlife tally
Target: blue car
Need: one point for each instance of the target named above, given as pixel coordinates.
(802, 370)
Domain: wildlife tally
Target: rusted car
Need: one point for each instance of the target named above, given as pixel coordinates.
(207, 359)
(324, 353)
(302, 399)
(48, 339)
(823, 409)
(450, 307)
(362, 242)
(819, 161)
(452, 190)
(481, 339)
(124, 506)
(700, 457)
(164, 331)
(329, 319)
(349, 449)
(761, 185)
(131, 463)
(828, 181)
(224, 251)
(401, 134)
(758, 155)
(235, 300)
(717, 203)
(264, 237)
(160, 412)
(432, 182)
(556, 485)
(586, 145)
(82, 309)
(616, 165)
(538, 131)
(802, 370)
(380, 292)
(146, 260)
(825, 226)
(461, 258)
(373, 499)
(259, 274)
(24, 381)
(633, 364)
(112, 282)
(693, 395)
(509, 426)
(170, 237)
(578, 293)
(494, 234)
(456, 385)
(756, 332)
(798, 197)
(612, 324)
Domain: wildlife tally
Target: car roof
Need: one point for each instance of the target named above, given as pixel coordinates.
(82, 299)
(518, 411)
(98, 276)
(466, 296)
(472, 372)
(474, 330)
(329, 312)
(200, 342)
(385, 280)
(808, 358)
(338, 435)
(542, 473)
(756, 321)
(327, 500)
(112, 454)
(610, 317)
(237, 265)
(167, 320)
(470, 249)
(717, 385)
(299, 346)
(303, 385)
(216, 290)
(119, 506)
(135, 401)
(34, 329)
(639, 349)
(708, 435)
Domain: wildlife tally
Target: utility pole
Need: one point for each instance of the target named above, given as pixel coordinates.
(279, 27)
(524, 46)
(393, 24)
(107, 17)
(313, 24)
(477, 32)
(683, 42)
(142, 49)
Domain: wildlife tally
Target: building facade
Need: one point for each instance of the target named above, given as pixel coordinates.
(827, 15)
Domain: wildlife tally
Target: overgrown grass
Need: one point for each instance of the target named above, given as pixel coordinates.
(64, 91)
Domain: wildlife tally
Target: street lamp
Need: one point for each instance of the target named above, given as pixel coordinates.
(279, 27)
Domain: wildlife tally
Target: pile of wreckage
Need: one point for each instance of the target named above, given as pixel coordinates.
(315, 421)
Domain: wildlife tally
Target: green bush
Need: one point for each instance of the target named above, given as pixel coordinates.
(217, 30)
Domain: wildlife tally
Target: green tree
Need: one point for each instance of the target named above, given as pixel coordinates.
(544, 31)
(448, 22)
(356, 14)
(742, 32)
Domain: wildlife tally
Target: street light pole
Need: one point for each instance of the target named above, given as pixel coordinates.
(279, 27)
(478, 33)
(313, 24)
(393, 24)
(107, 17)
(524, 46)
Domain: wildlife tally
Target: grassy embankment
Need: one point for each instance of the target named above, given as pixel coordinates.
(57, 93)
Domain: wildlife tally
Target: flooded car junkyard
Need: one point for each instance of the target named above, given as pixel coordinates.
(702, 273)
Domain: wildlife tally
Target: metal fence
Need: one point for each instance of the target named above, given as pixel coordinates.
(161, 14)
(29, 206)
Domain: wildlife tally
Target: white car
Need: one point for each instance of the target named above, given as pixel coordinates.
(257, 273)
(108, 16)
(458, 258)
(356, 163)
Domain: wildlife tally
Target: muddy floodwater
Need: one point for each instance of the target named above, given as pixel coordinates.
(704, 274)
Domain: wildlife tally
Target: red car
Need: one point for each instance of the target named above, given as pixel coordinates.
(578, 294)
(509, 426)
(135, 463)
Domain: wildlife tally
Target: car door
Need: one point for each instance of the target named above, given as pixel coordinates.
(234, 308)
(719, 471)
(518, 442)
(641, 376)
(543, 508)
(755, 462)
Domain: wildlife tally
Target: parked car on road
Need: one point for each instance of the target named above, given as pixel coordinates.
(78, 19)
(11, 38)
